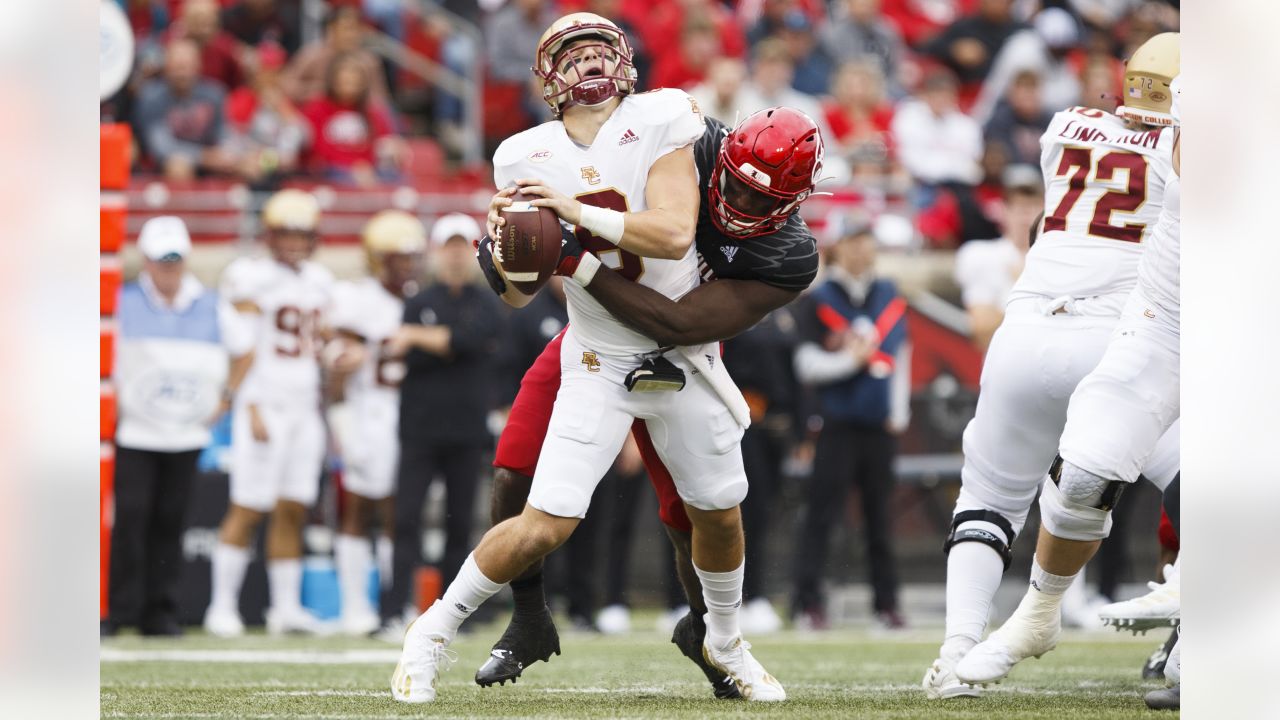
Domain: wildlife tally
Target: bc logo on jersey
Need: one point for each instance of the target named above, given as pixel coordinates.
(592, 362)
(590, 175)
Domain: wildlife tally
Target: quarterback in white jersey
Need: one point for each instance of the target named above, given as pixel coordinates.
(1105, 175)
(365, 414)
(1122, 416)
(619, 167)
(277, 433)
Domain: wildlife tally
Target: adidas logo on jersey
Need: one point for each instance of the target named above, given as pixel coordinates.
(729, 251)
(628, 137)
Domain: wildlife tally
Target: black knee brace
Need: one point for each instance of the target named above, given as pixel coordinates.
(982, 536)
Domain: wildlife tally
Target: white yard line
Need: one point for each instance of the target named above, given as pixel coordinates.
(290, 657)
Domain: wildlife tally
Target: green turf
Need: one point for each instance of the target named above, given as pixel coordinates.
(838, 674)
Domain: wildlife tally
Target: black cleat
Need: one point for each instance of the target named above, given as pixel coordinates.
(528, 639)
(688, 636)
(1153, 668)
(1165, 698)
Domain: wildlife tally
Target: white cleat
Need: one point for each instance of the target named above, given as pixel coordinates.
(940, 682)
(1031, 631)
(360, 624)
(421, 660)
(287, 621)
(223, 623)
(759, 617)
(1162, 607)
(614, 620)
(753, 682)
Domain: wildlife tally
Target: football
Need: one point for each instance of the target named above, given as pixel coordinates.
(530, 243)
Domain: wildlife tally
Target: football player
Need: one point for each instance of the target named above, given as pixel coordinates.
(366, 410)
(1105, 177)
(1119, 412)
(761, 255)
(277, 433)
(628, 160)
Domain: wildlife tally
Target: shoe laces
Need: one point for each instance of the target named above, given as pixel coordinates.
(443, 657)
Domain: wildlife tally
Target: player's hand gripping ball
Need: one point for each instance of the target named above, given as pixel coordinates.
(528, 246)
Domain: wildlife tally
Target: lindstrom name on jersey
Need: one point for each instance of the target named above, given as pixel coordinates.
(1104, 187)
(611, 173)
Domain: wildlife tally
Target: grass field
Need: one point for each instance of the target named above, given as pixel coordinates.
(837, 674)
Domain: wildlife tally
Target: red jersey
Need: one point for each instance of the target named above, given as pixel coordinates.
(342, 136)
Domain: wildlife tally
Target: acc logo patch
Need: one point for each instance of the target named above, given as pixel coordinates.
(538, 156)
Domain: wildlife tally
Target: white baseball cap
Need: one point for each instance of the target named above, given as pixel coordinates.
(453, 225)
(164, 239)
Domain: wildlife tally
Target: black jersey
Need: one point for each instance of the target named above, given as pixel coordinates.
(786, 258)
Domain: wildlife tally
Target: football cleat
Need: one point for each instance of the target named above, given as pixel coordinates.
(1153, 668)
(1162, 607)
(759, 617)
(689, 634)
(421, 660)
(527, 639)
(940, 682)
(223, 623)
(360, 624)
(1031, 631)
(293, 621)
(1165, 698)
(751, 679)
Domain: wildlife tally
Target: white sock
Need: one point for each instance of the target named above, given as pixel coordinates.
(973, 576)
(284, 581)
(1048, 583)
(227, 567)
(353, 557)
(723, 594)
(467, 592)
(384, 549)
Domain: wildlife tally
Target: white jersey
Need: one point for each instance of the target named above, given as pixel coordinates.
(292, 305)
(612, 173)
(986, 271)
(369, 311)
(1159, 278)
(1104, 187)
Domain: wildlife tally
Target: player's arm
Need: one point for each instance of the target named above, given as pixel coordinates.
(663, 231)
(712, 311)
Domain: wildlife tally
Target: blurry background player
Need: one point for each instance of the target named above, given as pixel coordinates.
(366, 411)
(760, 255)
(1105, 181)
(854, 350)
(1120, 416)
(171, 375)
(277, 436)
(449, 340)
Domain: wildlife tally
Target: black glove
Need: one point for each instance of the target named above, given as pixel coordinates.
(484, 256)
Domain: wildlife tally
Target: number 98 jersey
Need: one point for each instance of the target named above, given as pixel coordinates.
(1104, 187)
(611, 173)
(284, 333)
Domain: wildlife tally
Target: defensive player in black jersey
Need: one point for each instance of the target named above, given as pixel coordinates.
(755, 255)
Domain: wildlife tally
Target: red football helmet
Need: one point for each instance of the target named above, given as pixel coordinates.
(767, 166)
(560, 86)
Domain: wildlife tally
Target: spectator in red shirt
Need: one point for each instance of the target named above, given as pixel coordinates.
(699, 45)
(266, 130)
(352, 138)
(663, 28)
(860, 118)
(220, 52)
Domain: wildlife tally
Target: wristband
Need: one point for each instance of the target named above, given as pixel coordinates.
(587, 267)
(603, 222)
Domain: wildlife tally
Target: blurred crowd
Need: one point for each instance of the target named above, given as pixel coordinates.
(928, 99)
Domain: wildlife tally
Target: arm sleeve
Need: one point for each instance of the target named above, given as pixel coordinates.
(815, 366)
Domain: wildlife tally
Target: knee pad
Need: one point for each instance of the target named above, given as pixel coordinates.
(1076, 504)
(976, 526)
(728, 493)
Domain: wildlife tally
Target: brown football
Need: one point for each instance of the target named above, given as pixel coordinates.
(530, 244)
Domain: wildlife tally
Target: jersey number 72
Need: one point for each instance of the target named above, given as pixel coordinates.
(1080, 163)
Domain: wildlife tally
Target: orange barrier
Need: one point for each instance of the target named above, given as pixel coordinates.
(428, 583)
(111, 224)
(114, 144)
(107, 347)
(106, 484)
(111, 277)
(107, 413)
